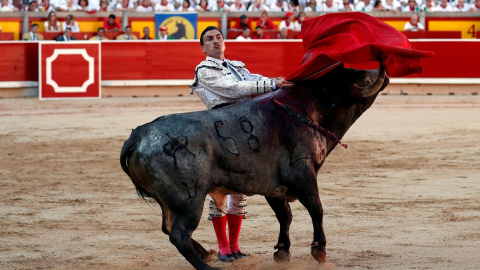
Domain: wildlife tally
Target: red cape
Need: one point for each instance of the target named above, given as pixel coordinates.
(353, 38)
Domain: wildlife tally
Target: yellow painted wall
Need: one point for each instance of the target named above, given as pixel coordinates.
(90, 26)
(469, 28)
(201, 25)
(11, 27)
(399, 25)
(84, 26)
(139, 25)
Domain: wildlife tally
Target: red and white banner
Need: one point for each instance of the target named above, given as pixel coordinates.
(69, 70)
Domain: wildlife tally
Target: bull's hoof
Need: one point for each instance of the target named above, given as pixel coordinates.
(318, 252)
(208, 256)
(282, 255)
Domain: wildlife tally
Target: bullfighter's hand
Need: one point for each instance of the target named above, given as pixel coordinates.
(280, 82)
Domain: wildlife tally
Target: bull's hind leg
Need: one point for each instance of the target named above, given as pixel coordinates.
(167, 226)
(284, 217)
(183, 225)
(309, 197)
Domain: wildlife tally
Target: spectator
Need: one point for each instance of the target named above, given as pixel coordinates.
(265, 22)
(330, 6)
(103, 7)
(203, 6)
(312, 6)
(378, 6)
(414, 24)
(164, 34)
(298, 23)
(6, 7)
(221, 6)
(258, 7)
(461, 6)
(100, 35)
(242, 23)
(82, 5)
(294, 6)
(260, 34)
(186, 6)
(111, 24)
(124, 5)
(67, 35)
(346, 6)
(19, 4)
(444, 6)
(68, 5)
(164, 6)
(429, 6)
(238, 6)
(364, 5)
(33, 35)
(245, 35)
(127, 35)
(51, 24)
(283, 33)
(45, 6)
(147, 6)
(475, 7)
(32, 6)
(392, 5)
(146, 33)
(70, 22)
(411, 6)
(288, 22)
(279, 6)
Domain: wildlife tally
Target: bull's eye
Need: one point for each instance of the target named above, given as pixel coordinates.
(368, 82)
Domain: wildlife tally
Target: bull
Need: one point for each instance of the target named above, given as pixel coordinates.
(251, 147)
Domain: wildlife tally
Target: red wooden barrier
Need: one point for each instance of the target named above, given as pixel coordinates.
(6, 36)
(177, 60)
(162, 60)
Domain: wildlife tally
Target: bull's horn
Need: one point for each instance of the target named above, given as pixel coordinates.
(369, 90)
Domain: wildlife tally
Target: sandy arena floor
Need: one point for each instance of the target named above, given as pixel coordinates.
(405, 195)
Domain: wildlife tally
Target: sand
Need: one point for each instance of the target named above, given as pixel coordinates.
(405, 195)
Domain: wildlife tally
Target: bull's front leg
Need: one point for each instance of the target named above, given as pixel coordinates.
(183, 225)
(308, 196)
(284, 217)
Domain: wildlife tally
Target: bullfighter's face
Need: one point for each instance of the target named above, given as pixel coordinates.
(213, 44)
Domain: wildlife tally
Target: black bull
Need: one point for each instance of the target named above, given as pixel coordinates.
(251, 147)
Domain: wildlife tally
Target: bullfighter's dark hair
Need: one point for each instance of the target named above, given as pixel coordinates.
(209, 28)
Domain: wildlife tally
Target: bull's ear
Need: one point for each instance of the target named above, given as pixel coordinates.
(368, 82)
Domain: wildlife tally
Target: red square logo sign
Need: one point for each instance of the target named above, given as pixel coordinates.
(69, 70)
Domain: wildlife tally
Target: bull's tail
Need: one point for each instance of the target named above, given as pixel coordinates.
(128, 148)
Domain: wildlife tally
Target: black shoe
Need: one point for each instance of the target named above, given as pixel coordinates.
(226, 258)
(239, 255)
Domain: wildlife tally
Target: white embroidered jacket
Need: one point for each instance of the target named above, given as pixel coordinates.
(216, 84)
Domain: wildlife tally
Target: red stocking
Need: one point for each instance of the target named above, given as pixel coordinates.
(234, 226)
(219, 224)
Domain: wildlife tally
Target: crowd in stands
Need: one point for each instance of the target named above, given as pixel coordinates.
(70, 26)
(284, 30)
(92, 6)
